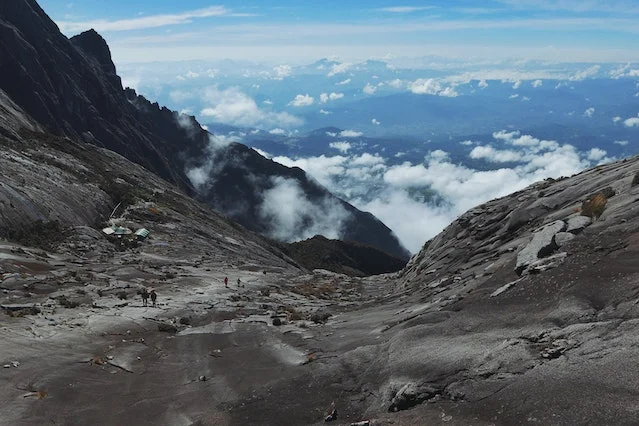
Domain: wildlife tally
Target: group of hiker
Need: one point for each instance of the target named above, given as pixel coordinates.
(154, 297)
(226, 282)
(145, 297)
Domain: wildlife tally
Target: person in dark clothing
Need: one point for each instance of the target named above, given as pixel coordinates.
(226, 281)
(145, 296)
(154, 297)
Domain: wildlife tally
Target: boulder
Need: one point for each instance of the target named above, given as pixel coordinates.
(542, 244)
(410, 395)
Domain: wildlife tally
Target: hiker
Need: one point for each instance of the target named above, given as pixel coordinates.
(226, 282)
(239, 283)
(154, 297)
(145, 296)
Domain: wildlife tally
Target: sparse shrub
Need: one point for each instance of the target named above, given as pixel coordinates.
(635, 180)
(121, 295)
(594, 206)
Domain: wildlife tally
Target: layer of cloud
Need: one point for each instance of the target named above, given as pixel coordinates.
(417, 200)
(143, 22)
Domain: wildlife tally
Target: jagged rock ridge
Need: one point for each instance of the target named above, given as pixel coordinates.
(71, 88)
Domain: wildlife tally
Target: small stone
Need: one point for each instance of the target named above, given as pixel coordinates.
(331, 417)
(202, 378)
(7, 366)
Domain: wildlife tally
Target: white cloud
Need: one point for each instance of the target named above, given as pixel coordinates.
(277, 131)
(282, 71)
(232, 106)
(631, 122)
(262, 153)
(292, 216)
(517, 84)
(589, 112)
(369, 89)
(431, 87)
(350, 134)
(342, 146)
(339, 68)
(587, 73)
(467, 143)
(302, 101)
(482, 84)
(367, 159)
(202, 175)
(343, 82)
(514, 96)
(624, 71)
(537, 83)
(493, 155)
(326, 97)
(396, 84)
(616, 119)
(322, 168)
(267, 102)
(322, 111)
(153, 21)
(375, 122)
(596, 154)
(622, 143)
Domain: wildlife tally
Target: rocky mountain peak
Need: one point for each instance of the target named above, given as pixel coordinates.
(71, 88)
(92, 43)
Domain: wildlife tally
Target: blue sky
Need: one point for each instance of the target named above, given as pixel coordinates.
(289, 30)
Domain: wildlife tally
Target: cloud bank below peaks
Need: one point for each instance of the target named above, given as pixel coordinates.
(417, 200)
